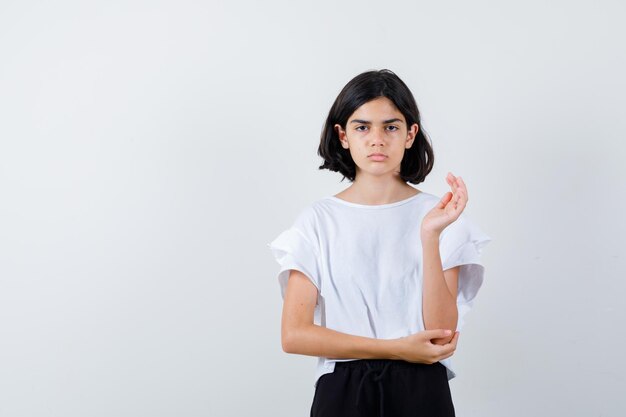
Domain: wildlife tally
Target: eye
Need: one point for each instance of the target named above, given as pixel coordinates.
(359, 128)
(393, 128)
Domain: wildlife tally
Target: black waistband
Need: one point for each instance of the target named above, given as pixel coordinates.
(379, 364)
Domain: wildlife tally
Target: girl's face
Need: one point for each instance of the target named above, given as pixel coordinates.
(375, 128)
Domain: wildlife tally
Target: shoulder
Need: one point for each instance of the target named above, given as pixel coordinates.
(314, 211)
(309, 218)
(307, 215)
(315, 218)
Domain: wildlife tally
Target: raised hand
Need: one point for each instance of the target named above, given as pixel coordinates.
(449, 207)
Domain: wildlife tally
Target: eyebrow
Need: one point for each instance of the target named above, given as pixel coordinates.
(367, 122)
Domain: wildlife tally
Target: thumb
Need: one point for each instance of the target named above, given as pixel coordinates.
(445, 200)
(436, 333)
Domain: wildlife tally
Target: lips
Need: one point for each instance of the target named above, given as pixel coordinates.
(377, 157)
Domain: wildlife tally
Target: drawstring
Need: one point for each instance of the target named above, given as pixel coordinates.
(377, 378)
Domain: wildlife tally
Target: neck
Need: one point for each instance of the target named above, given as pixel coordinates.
(369, 189)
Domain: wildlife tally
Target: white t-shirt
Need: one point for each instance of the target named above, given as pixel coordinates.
(366, 262)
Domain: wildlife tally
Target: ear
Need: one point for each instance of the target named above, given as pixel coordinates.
(411, 135)
(342, 136)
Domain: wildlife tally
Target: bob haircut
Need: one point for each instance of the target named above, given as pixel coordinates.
(418, 160)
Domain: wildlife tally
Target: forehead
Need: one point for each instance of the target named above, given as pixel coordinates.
(380, 108)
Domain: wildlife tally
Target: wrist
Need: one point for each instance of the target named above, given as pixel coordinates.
(392, 349)
(430, 236)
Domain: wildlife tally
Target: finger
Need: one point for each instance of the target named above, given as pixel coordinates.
(460, 198)
(453, 342)
(436, 333)
(463, 186)
(444, 351)
(461, 189)
(462, 202)
(447, 197)
(450, 346)
(452, 208)
(456, 201)
(452, 181)
(446, 356)
(455, 339)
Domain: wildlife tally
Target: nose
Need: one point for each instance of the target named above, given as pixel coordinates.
(378, 136)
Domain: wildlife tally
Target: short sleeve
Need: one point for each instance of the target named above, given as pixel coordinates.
(461, 243)
(292, 250)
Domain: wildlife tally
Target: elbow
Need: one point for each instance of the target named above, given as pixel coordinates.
(449, 324)
(286, 344)
(287, 341)
(293, 339)
(444, 340)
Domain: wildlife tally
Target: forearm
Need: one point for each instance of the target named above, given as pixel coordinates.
(439, 307)
(314, 340)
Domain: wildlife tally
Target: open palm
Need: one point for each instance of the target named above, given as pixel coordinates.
(449, 207)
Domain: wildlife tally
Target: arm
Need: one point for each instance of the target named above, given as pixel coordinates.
(439, 291)
(300, 335)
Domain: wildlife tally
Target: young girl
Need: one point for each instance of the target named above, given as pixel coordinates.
(377, 278)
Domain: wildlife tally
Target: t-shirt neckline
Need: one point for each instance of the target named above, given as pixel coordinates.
(375, 206)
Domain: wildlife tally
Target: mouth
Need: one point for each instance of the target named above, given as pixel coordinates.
(377, 157)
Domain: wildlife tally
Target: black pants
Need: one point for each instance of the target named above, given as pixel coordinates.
(383, 388)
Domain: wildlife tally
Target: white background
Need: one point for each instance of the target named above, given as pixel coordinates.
(150, 150)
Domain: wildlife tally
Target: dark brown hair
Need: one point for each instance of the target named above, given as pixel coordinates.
(418, 160)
